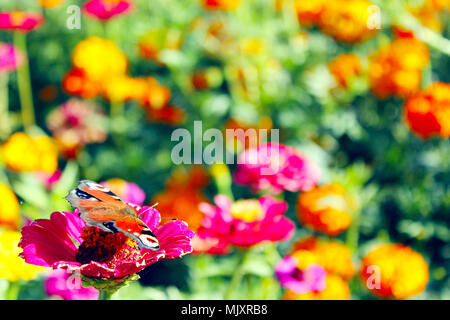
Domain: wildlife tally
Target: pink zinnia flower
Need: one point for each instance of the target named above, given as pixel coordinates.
(64, 242)
(127, 191)
(106, 9)
(243, 223)
(10, 58)
(75, 124)
(19, 20)
(276, 167)
(300, 281)
(83, 121)
(67, 286)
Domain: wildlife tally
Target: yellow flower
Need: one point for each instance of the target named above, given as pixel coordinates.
(394, 271)
(247, 210)
(23, 153)
(308, 12)
(326, 209)
(99, 58)
(336, 289)
(123, 88)
(9, 207)
(12, 267)
(50, 3)
(344, 20)
(221, 4)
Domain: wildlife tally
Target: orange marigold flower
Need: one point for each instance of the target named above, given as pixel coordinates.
(156, 96)
(23, 153)
(183, 195)
(171, 115)
(345, 67)
(394, 271)
(308, 12)
(326, 209)
(333, 256)
(344, 20)
(336, 289)
(76, 82)
(396, 69)
(9, 208)
(428, 112)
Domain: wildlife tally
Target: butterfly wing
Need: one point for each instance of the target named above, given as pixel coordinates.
(136, 229)
(101, 208)
(98, 205)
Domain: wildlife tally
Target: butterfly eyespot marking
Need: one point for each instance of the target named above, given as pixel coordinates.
(84, 195)
(110, 225)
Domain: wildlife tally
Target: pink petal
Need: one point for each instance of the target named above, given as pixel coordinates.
(46, 241)
(150, 216)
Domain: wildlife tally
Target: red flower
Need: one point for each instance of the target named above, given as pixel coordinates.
(106, 9)
(428, 112)
(64, 242)
(21, 21)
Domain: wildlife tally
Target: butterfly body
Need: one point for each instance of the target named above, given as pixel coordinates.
(101, 208)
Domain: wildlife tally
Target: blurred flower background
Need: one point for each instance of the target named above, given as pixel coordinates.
(357, 204)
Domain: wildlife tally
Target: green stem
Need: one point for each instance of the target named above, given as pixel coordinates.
(104, 295)
(24, 83)
(3, 177)
(352, 236)
(13, 291)
(222, 179)
(427, 35)
(236, 279)
(117, 109)
(5, 127)
(117, 121)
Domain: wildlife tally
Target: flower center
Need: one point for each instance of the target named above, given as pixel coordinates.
(17, 18)
(247, 210)
(331, 201)
(105, 247)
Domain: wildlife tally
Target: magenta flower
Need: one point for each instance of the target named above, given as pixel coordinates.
(244, 223)
(276, 167)
(297, 280)
(20, 21)
(106, 9)
(10, 58)
(79, 121)
(64, 242)
(127, 191)
(67, 286)
(49, 179)
(75, 124)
